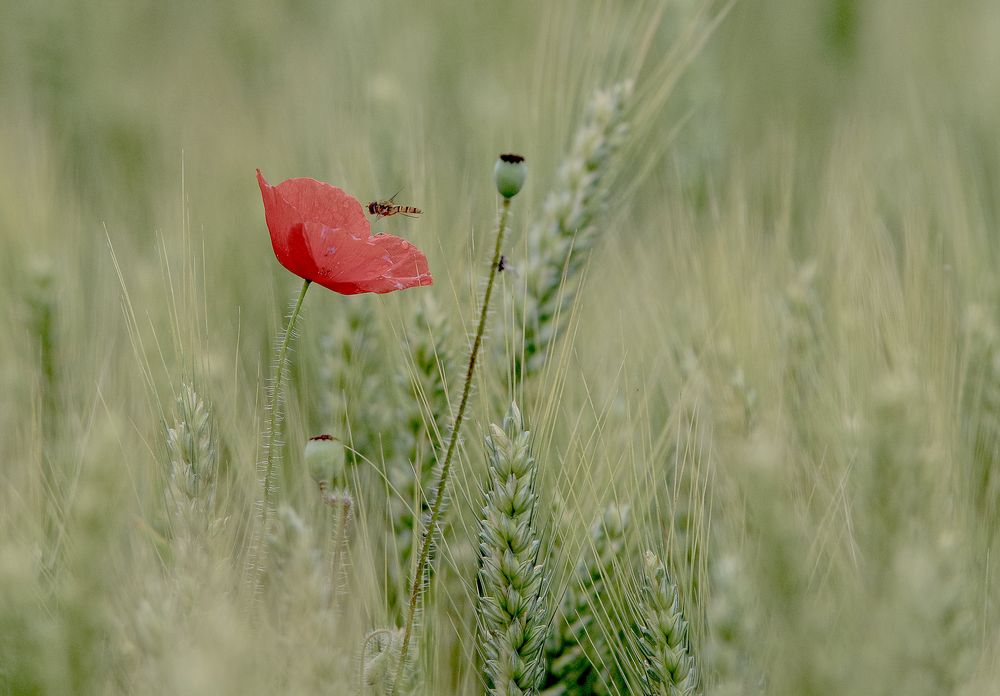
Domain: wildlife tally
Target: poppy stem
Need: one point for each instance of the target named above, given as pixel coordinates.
(438, 505)
(273, 417)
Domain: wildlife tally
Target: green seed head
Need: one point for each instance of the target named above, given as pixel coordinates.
(324, 458)
(509, 173)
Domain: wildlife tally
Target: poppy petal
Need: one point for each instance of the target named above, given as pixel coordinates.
(349, 264)
(320, 233)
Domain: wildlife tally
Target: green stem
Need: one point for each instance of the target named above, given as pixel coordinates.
(437, 506)
(273, 422)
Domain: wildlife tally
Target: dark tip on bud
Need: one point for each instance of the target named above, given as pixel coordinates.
(509, 174)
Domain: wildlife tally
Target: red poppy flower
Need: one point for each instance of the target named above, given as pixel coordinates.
(321, 234)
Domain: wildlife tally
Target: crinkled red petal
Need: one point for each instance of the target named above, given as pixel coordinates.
(320, 233)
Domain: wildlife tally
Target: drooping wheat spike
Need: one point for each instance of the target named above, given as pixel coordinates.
(670, 666)
(425, 413)
(557, 244)
(194, 460)
(380, 657)
(581, 656)
(513, 618)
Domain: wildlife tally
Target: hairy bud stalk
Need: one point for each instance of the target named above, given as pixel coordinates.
(425, 415)
(421, 569)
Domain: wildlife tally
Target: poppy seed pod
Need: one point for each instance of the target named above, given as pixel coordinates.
(324, 458)
(509, 173)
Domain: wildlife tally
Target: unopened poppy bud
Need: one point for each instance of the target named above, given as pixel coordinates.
(324, 458)
(509, 174)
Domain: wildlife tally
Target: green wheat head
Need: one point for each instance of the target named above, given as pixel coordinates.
(194, 459)
(568, 228)
(670, 666)
(513, 616)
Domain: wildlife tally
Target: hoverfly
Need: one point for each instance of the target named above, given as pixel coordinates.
(386, 208)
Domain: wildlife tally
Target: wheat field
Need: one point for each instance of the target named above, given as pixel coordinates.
(733, 425)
